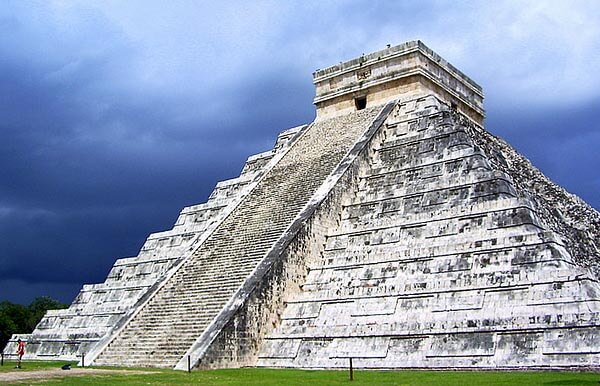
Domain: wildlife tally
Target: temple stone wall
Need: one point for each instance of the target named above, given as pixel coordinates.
(408, 70)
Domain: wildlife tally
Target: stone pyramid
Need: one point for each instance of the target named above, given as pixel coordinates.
(393, 230)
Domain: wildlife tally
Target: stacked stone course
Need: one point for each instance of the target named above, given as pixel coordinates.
(439, 261)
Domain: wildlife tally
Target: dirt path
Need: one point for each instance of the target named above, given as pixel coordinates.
(18, 375)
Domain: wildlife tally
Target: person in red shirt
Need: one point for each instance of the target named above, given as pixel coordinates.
(20, 352)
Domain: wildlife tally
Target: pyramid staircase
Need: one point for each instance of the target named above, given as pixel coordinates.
(182, 310)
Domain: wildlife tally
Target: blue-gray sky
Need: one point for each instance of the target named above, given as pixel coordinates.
(114, 115)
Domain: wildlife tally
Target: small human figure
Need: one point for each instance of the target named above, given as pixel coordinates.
(20, 352)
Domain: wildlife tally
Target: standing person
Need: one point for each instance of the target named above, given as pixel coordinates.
(20, 352)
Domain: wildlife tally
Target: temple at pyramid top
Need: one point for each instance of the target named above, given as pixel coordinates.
(409, 70)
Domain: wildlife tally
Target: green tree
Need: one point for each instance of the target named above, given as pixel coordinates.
(37, 309)
(20, 319)
(13, 317)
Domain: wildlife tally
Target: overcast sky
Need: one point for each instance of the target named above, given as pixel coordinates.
(114, 115)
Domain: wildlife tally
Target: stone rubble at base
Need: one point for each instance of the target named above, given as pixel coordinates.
(402, 235)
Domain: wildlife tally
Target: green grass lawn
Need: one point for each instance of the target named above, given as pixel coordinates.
(246, 377)
(9, 365)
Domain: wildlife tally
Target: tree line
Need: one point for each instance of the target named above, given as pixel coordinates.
(20, 319)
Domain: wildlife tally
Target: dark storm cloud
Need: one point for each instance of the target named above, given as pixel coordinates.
(92, 164)
(562, 142)
(113, 116)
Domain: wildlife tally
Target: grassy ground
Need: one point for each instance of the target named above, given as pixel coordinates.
(9, 365)
(267, 377)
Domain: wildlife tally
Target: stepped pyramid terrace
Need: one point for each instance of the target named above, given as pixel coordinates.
(393, 230)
